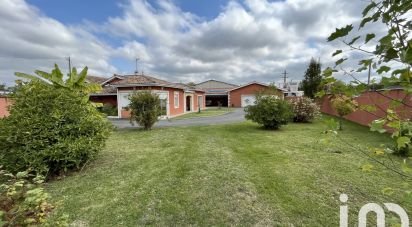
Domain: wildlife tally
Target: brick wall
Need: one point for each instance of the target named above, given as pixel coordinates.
(235, 96)
(380, 99)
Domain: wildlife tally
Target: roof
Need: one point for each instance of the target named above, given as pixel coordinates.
(95, 79)
(139, 79)
(145, 80)
(255, 82)
(221, 82)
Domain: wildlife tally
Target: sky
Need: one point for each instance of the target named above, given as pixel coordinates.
(236, 41)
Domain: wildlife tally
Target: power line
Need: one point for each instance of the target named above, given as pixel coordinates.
(284, 78)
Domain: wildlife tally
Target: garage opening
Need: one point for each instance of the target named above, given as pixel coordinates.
(216, 100)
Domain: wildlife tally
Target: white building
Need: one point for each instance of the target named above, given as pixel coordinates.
(292, 89)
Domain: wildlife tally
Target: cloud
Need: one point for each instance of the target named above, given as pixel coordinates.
(248, 40)
(31, 41)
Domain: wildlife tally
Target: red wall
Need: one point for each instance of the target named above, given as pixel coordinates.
(235, 95)
(4, 103)
(172, 110)
(373, 98)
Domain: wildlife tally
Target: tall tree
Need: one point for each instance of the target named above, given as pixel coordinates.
(313, 78)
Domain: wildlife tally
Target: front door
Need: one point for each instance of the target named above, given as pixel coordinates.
(188, 103)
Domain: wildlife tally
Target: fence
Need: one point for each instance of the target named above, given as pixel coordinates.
(379, 99)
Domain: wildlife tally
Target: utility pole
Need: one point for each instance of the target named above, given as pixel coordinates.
(136, 71)
(70, 65)
(369, 74)
(284, 78)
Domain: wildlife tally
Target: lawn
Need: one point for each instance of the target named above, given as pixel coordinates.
(209, 112)
(234, 174)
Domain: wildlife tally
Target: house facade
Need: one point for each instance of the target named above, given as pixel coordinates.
(176, 99)
(245, 95)
(219, 93)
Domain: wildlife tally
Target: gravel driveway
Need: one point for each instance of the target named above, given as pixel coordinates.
(235, 116)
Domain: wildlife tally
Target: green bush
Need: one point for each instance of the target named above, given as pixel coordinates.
(270, 111)
(23, 202)
(50, 130)
(343, 105)
(304, 109)
(145, 109)
(109, 109)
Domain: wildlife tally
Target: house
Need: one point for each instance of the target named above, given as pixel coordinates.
(231, 95)
(291, 89)
(245, 95)
(176, 99)
(216, 92)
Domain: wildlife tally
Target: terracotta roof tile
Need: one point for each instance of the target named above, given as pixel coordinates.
(140, 79)
(96, 79)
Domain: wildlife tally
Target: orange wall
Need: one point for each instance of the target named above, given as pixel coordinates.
(172, 110)
(372, 98)
(235, 95)
(4, 103)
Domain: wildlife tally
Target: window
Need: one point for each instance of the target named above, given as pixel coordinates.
(176, 99)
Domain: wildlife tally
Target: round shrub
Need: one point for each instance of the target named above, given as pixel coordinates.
(304, 109)
(50, 130)
(270, 111)
(145, 108)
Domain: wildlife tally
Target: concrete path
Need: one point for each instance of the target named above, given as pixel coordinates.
(235, 116)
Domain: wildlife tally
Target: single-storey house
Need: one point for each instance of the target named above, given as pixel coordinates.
(245, 95)
(176, 98)
(231, 95)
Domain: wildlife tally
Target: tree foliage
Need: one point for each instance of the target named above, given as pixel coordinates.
(387, 53)
(75, 81)
(50, 130)
(270, 111)
(312, 79)
(145, 108)
(343, 105)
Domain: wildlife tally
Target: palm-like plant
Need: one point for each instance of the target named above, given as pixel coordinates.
(75, 81)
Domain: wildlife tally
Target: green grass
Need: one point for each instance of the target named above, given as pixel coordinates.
(209, 112)
(233, 174)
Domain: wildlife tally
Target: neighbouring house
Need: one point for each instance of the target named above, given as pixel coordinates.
(217, 92)
(176, 98)
(245, 95)
(291, 89)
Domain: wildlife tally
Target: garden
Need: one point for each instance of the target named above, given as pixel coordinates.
(234, 174)
(62, 163)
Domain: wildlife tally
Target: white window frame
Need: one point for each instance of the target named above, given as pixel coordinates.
(176, 104)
